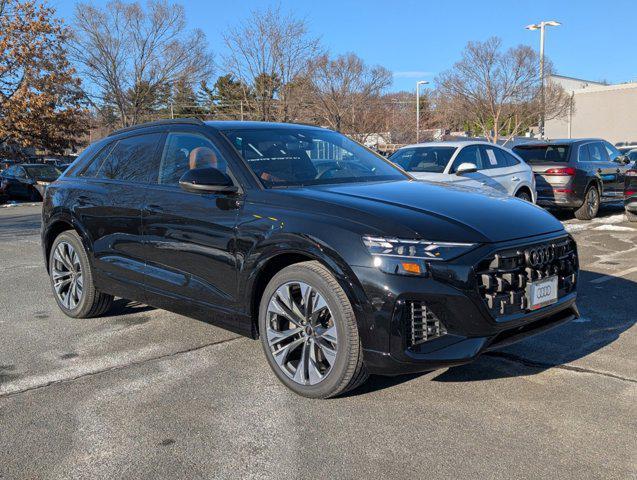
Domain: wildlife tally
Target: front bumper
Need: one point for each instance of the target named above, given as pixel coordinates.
(450, 290)
(630, 204)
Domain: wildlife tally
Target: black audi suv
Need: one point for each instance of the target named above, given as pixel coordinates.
(336, 259)
(576, 174)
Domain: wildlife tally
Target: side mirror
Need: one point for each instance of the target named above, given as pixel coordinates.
(209, 179)
(623, 159)
(466, 167)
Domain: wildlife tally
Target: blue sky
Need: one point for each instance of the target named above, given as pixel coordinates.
(417, 39)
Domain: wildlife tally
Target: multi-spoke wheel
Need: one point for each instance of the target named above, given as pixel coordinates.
(72, 278)
(590, 207)
(66, 273)
(309, 332)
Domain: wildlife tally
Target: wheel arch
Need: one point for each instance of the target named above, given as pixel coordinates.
(58, 224)
(272, 262)
(525, 188)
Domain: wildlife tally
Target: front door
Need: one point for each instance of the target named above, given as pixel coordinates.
(190, 237)
(605, 169)
(480, 179)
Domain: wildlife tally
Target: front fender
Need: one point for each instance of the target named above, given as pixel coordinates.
(299, 247)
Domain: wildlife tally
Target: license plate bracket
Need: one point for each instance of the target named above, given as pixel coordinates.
(541, 292)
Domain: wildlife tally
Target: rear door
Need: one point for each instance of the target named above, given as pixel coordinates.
(110, 207)
(190, 237)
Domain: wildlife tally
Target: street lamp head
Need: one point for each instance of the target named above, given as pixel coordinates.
(552, 23)
(532, 27)
(422, 82)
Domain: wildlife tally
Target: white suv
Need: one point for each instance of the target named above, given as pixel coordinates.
(480, 165)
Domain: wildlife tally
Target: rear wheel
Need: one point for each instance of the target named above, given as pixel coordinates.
(590, 207)
(524, 195)
(72, 279)
(631, 217)
(309, 334)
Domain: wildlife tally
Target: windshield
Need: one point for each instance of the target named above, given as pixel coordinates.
(423, 159)
(542, 153)
(283, 157)
(43, 172)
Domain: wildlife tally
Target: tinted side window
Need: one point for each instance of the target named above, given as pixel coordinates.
(470, 154)
(132, 159)
(96, 162)
(20, 173)
(185, 151)
(491, 159)
(583, 155)
(596, 152)
(612, 152)
(86, 154)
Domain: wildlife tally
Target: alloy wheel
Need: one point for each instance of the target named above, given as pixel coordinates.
(301, 333)
(592, 200)
(66, 272)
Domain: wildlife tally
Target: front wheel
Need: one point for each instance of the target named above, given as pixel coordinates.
(631, 217)
(72, 279)
(590, 207)
(308, 332)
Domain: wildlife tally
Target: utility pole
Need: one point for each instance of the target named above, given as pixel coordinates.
(418, 84)
(541, 27)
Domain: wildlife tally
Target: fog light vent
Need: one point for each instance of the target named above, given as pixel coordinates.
(425, 325)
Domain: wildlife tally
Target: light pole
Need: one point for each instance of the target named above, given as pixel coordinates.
(418, 84)
(541, 26)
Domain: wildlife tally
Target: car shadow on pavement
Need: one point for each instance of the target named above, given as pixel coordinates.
(607, 308)
(122, 306)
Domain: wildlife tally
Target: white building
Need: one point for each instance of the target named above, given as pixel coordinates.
(605, 111)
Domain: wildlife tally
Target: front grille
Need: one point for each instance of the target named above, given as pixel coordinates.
(424, 324)
(502, 277)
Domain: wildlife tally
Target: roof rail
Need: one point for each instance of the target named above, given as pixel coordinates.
(167, 121)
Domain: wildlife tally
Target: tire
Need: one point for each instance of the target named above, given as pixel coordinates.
(83, 300)
(631, 217)
(589, 211)
(524, 195)
(328, 341)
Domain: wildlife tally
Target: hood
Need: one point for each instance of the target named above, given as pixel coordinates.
(435, 211)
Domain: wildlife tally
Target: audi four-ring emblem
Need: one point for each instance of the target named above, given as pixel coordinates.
(543, 292)
(538, 256)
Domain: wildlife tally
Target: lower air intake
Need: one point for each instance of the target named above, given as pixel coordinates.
(425, 325)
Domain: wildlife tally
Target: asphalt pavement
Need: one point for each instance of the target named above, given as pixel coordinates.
(145, 393)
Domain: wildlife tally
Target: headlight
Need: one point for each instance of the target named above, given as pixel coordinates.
(408, 257)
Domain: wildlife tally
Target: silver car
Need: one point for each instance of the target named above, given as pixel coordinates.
(479, 165)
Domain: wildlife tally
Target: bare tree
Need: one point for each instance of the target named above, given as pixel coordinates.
(132, 56)
(497, 93)
(347, 94)
(268, 53)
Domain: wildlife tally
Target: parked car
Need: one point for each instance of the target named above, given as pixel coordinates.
(630, 194)
(624, 149)
(336, 259)
(631, 155)
(474, 164)
(576, 174)
(28, 181)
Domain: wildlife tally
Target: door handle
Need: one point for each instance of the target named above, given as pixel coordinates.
(515, 179)
(151, 208)
(599, 170)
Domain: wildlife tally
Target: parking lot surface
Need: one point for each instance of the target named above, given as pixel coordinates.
(144, 393)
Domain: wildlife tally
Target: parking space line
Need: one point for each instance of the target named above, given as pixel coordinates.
(623, 273)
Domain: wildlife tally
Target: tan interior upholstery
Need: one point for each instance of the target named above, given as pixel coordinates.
(202, 157)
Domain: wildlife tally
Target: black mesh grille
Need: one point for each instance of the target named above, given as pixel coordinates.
(502, 278)
(424, 324)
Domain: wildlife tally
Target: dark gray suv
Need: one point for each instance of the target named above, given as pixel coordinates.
(577, 174)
